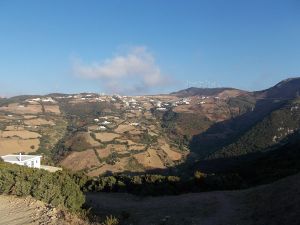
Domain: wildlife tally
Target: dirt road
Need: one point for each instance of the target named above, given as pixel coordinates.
(16, 211)
(27, 211)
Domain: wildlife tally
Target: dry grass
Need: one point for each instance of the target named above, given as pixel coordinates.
(117, 147)
(89, 139)
(173, 155)
(52, 109)
(123, 141)
(27, 117)
(24, 134)
(39, 122)
(118, 167)
(21, 109)
(15, 145)
(105, 137)
(136, 132)
(14, 127)
(229, 93)
(80, 160)
(149, 159)
(183, 109)
(104, 152)
(123, 128)
(136, 147)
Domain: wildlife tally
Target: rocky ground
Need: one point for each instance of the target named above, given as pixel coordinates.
(23, 211)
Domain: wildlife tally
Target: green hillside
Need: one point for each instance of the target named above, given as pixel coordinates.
(270, 131)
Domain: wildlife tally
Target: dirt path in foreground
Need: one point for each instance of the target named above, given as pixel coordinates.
(17, 211)
(27, 211)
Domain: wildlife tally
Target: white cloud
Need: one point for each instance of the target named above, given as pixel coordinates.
(133, 72)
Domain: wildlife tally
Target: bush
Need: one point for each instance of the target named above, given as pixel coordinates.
(110, 220)
(57, 189)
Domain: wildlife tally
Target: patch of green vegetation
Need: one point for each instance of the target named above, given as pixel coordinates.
(156, 184)
(265, 134)
(148, 139)
(112, 158)
(97, 155)
(244, 103)
(180, 127)
(58, 189)
(134, 165)
(87, 110)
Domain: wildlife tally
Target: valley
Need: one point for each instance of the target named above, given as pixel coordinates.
(101, 134)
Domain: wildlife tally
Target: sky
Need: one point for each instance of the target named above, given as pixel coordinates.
(146, 46)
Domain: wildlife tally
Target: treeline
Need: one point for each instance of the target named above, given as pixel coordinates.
(57, 189)
(154, 184)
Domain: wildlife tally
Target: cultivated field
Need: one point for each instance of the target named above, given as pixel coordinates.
(117, 167)
(80, 160)
(52, 109)
(38, 122)
(22, 109)
(105, 137)
(24, 134)
(123, 128)
(15, 145)
(149, 159)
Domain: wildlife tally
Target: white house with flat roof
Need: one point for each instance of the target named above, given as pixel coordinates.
(33, 161)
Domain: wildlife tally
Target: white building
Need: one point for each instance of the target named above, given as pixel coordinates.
(105, 122)
(101, 128)
(33, 161)
(161, 109)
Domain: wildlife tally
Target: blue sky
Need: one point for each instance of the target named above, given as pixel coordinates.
(146, 46)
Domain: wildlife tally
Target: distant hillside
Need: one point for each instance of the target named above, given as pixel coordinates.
(193, 91)
(265, 118)
(286, 89)
(271, 130)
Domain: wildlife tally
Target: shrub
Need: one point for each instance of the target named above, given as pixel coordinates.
(110, 220)
(58, 189)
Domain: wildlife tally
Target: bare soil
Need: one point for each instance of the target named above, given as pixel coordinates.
(52, 109)
(80, 160)
(123, 128)
(27, 211)
(14, 145)
(21, 109)
(38, 122)
(149, 159)
(119, 166)
(24, 134)
(105, 137)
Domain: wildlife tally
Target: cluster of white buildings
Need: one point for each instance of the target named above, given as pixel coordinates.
(46, 99)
